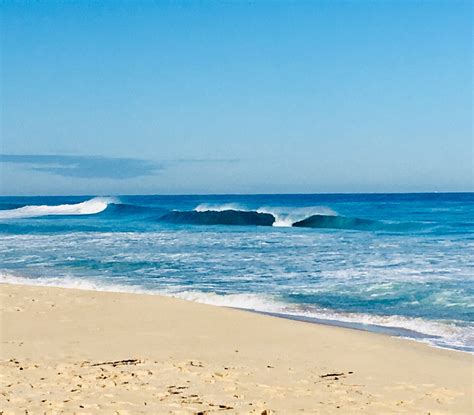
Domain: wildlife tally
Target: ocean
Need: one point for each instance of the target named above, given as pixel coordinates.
(401, 264)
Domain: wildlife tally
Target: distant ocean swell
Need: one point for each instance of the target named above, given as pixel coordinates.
(229, 215)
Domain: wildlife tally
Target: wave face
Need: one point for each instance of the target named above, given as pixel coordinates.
(89, 207)
(223, 217)
(336, 222)
(130, 211)
(397, 264)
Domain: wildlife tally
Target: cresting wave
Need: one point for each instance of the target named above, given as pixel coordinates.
(286, 217)
(438, 334)
(89, 207)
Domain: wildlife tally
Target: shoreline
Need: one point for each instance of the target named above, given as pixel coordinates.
(149, 353)
(390, 331)
(400, 332)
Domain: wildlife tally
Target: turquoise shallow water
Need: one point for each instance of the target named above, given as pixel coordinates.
(396, 263)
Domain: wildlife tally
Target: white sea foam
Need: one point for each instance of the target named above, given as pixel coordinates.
(431, 332)
(72, 282)
(89, 207)
(246, 301)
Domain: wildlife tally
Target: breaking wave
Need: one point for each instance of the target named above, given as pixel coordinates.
(89, 207)
(286, 217)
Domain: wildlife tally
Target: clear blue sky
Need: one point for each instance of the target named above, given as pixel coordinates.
(238, 97)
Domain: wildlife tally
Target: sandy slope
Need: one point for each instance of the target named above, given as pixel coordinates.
(62, 350)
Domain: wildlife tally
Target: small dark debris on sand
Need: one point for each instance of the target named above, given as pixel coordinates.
(334, 375)
(118, 362)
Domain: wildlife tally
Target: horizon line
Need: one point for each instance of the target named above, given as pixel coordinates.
(242, 194)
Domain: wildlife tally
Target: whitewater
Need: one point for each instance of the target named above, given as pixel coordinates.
(88, 207)
(397, 264)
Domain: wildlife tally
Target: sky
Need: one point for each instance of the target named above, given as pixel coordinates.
(200, 97)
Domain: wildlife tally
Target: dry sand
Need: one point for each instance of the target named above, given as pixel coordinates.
(71, 351)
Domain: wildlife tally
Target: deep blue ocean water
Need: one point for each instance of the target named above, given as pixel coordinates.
(396, 263)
